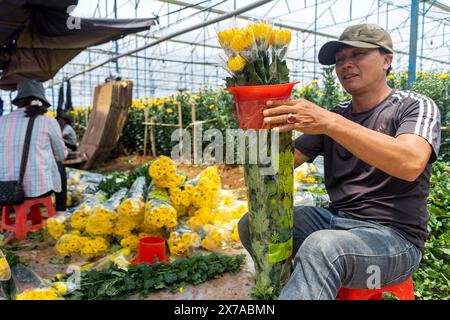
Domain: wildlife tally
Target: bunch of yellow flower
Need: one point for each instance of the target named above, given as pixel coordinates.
(199, 218)
(280, 38)
(160, 215)
(124, 226)
(183, 243)
(93, 247)
(158, 211)
(227, 214)
(133, 206)
(131, 242)
(80, 217)
(69, 244)
(56, 226)
(5, 271)
(39, 294)
(205, 193)
(226, 36)
(101, 222)
(259, 47)
(236, 63)
(181, 198)
(214, 239)
(163, 172)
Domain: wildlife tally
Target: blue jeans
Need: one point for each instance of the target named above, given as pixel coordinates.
(333, 249)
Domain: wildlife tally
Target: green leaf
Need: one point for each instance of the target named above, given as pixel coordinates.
(57, 260)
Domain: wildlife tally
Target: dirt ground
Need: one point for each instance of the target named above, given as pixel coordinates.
(232, 177)
(41, 257)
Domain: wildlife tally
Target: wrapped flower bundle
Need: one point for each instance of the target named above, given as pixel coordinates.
(158, 211)
(255, 57)
(164, 174)
(101, 221)
(76, 217)
(5, 271)
(183, 241)
(133, 206)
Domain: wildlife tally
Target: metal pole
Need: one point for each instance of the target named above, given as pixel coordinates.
(176, 34)
(413, 42)
(137, 59)
(423, 36)
(315, 40)
(117, 45)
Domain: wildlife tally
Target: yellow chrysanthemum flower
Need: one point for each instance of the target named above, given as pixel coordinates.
(444, 76)
(261, 31)
(225, 37)
(242, 40)
(5, 272)
(236, 64)
(280, 38)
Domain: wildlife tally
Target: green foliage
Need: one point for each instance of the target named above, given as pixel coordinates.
(333, 93)
(261, 71)
(80, 117)
(271, 221)
(437, 87)
(214, 106)
(114, 283)
(115, 181)
(432, 279)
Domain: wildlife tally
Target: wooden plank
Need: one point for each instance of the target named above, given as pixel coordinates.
(111, 104)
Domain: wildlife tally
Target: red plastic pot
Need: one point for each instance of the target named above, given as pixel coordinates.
(149, 248)
(251, 102)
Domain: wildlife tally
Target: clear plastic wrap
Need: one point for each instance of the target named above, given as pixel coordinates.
(215, 237)
(27, 285)
(75, 244)
(5, 270)
(207, 185)
(133, 206)
(121, 258)
(75, 218)
(158, 211)
(101, 221)
(77, 175)
(183, 241)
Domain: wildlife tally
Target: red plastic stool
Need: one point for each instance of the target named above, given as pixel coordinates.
(19, 225)
(403, 291)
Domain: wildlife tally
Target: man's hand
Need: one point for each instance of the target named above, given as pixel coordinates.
(310, 118)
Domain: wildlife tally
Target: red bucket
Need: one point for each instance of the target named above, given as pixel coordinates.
(251, 102)
(149, 248)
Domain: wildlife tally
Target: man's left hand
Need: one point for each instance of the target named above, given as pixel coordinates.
(309, 117)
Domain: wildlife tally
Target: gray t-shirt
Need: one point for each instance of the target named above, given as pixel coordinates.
(366, 192)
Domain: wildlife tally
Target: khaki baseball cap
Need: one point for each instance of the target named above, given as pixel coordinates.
(366, 35)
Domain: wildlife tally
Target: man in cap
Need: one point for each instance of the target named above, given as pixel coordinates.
(69, 134)
(378, 149)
